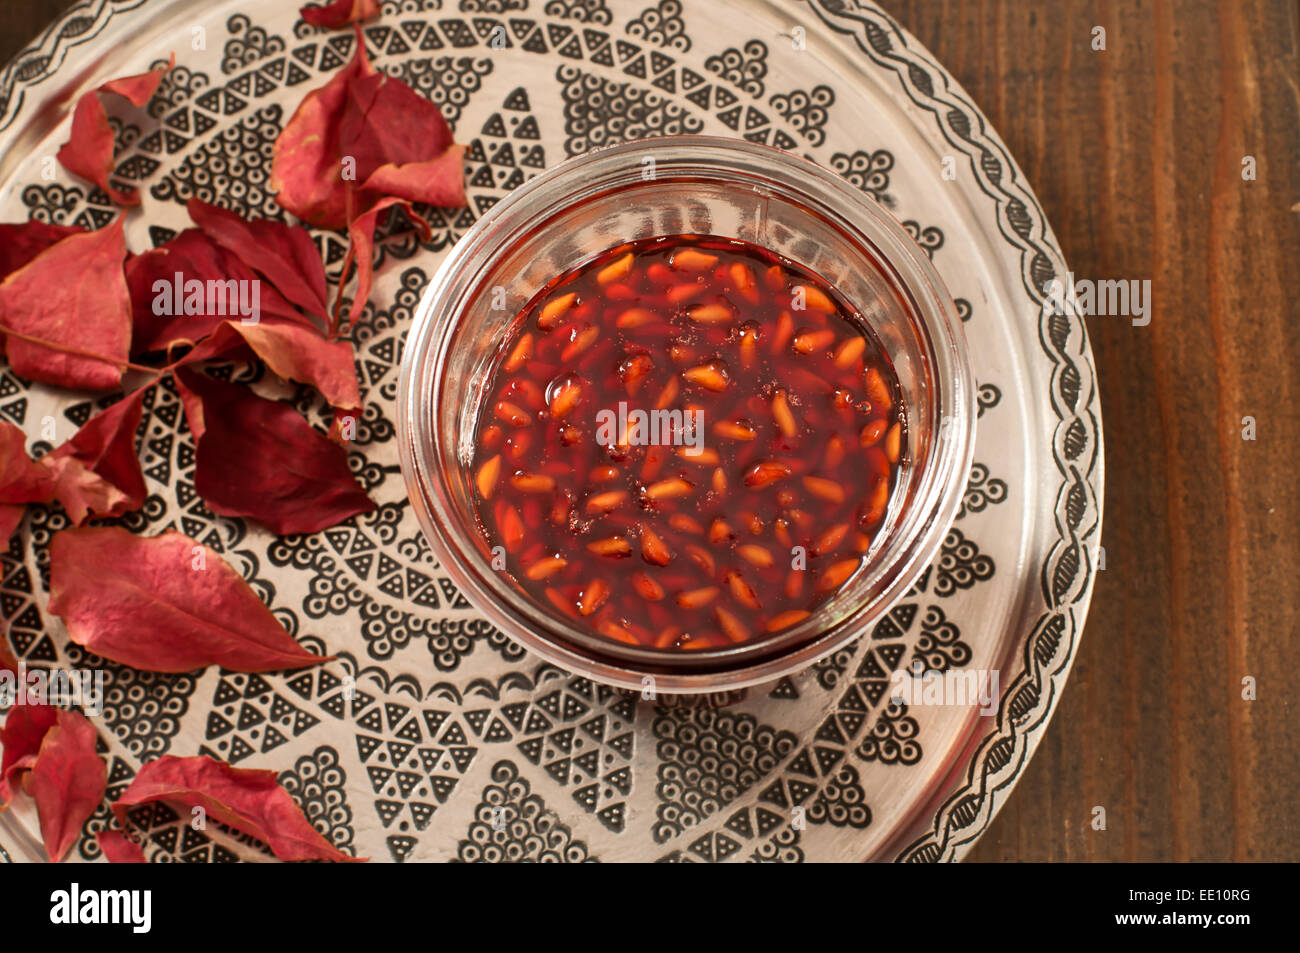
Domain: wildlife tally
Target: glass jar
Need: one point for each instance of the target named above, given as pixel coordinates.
(668, 186)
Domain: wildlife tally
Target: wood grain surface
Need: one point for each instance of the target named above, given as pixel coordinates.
(1136, 154)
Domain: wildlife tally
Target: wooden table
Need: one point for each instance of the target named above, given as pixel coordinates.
(1136, 153)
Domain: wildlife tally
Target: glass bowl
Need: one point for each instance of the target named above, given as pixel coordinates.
(668, 186)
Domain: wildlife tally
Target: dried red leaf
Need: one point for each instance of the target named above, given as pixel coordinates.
(117, 848)
(89, 151)
(11, 514)
(20, 243)
(259, 458)
(68, 302)
(361, 249)
(22, 479)
(439, 181)
(395, 141)
(8, 662)
(67, 781)
(251, 802)
(401, 142)
(294, 352)
(163, 604)
(385, 121)
(306, 162)
(97, 470)
(24, 730)
(339, 13)
(285, 254)
(160, 319)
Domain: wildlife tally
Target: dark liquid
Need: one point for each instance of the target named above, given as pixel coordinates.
(616, 520)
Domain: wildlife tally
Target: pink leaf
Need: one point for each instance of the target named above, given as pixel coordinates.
(259, 458)
(163, 604)
(73, 297)
(67, 782)
(251, 802)
(89, 151)
(285, 254)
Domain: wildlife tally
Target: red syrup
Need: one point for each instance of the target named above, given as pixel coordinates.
(687, 443)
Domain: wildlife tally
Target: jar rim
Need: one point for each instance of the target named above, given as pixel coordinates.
(584, 178)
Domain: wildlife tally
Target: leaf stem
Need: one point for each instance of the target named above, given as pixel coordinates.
(76, 351)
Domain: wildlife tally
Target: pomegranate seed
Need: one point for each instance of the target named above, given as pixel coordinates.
(647, 588)
(835, 576)
(615, 271)
(766, 473)
(702, 559)
(612, 546)
(774, 278)
(653, 548)
(743, 280)
(636, 317)
(688, 259)
(667, 395)
(512, 529)
(784, 331)
(893, 439)
(755, 555)
(612, 630)
(786, 619)
(829, 540)
(704, 456)
(849, 351)
(876, 503)
(581, 341)
(606, 502)
(684, 524)
(683, 293)
(720, 532)
(872, 433)
(733, 627)
(805, 342)
(709, 376)
(694, 598)
(783, 415)
(487, 477)
(734, 431)
(877, 390)
(834, 453)
(711, 314)
(546, 567)
(532, 483)
(824, 489)
(555, 309)
(519, 355)
(512, 414)
(593, 596)
(741, 591)
(670, 489)
(817, 300)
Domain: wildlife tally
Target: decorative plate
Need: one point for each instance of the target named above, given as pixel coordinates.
(432, 737)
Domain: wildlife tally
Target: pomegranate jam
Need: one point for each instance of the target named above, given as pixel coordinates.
(686, 444)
